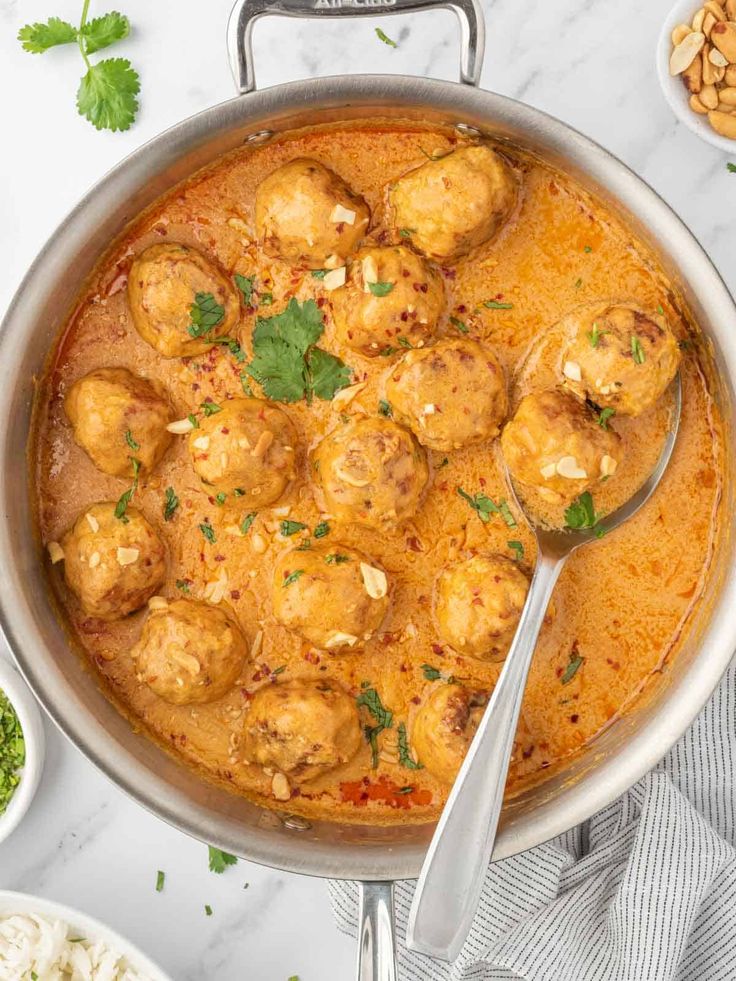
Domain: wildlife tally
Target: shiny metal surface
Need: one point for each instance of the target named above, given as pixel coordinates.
(451, 881)
(377, 938)
(613, 761)
(246, 13)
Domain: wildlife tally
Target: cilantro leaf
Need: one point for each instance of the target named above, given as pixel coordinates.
(210, 408)
(582, 514)
(485, 506)
(575, 663)
(336, 558)
(37, 38)
(171, 503)
(495, 305)
(301, 325)
(245, 284)
(205, 313)
(460, 324)
(127, 496)
(219, 860)
(107, 94)
(292, 577)
(289, 528)
(517, 548)
(208, 531)
(371, 700)
(382, 36)
(327, 374)
(380, 289)
(637, 351)
(105, 30)
(605, 415)
(321, 529)
(130, 440)
(247, 522)
(160, 877)
(385, 408)
(405, 757)
(731, 168)
(279, 368)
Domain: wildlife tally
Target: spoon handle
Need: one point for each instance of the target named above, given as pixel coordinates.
(451, 880)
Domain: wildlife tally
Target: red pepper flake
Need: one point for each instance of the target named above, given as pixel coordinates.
(526, 753)
(384, 791)
(235, 594)
(437, 648)
(574, 718)
(219, 558)
(414, 544)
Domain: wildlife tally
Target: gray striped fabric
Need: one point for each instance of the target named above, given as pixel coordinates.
(644, 891)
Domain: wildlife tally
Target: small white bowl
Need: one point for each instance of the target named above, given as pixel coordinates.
(29, 717)
(81, 926)
(672, 87)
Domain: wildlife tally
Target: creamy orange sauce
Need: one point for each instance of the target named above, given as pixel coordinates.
(623, 605)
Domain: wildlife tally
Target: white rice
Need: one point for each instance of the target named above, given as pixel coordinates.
(31, 946)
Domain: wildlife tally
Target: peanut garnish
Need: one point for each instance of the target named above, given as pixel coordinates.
(704, 55)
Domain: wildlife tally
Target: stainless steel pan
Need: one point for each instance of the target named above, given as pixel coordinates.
(376, 856)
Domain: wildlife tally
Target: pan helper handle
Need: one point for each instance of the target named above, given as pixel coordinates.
(245, 13)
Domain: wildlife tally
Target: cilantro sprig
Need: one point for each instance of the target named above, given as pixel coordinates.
(219, 860)
(485, 506)
(371, 700)
(107, 93)
(582, 514)
(286, 361)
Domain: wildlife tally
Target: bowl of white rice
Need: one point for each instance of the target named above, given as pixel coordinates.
(45, 941)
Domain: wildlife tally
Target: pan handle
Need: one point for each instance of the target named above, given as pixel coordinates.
(245, 13)
(377, 937)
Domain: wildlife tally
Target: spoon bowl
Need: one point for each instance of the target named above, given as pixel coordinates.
(451, 881)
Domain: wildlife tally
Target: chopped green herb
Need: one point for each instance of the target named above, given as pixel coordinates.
(292, 577)
(604, 416)
(210, 408)
(183, 585)
(245, 284)
(336, 558)
(371, 700)
(406, 232)
(595, 335)
(160, 876)
(247, 390)
(461, 325)
(205, 313)
(430, 673)
(235, 349)
(130, 441)
(385, 409)
(575, 663)
(731, 168)
(405, 342)
(578, 283)
(171, 503)
(194, 421)
(220, 498)
(208, 531)
(219, 860)
(287, 364)
(124, 500)
(518, 548)
(265, 299)
(304, 545)
(405, 757)
(385, 38)
(484, 507)
(443, 462)
(587, 249)
(321, 529)
(660, 308)
(582, 514)
(380, 289)
(238, 492)
(12, 751)
(107, 92)
(319, 273)
(386, 352)
(279, 670)
(288, 528)
(405, 790)
(247, 522)
(637, 350)
(208, 910)
(495, 305)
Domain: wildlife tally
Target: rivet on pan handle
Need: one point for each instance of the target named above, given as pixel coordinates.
(245, 13)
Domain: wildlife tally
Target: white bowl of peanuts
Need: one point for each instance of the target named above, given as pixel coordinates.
(696, 62)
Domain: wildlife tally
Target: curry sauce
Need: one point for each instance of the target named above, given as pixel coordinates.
(622, 606)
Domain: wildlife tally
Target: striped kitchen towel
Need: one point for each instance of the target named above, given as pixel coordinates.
(643, 891)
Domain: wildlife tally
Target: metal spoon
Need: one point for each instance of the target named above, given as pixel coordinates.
(450, 883)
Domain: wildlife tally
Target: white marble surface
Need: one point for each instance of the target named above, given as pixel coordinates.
(589, 62)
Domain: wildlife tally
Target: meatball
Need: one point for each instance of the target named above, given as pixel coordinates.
(444, 727)
(117, 416)
(248, 449)
(164, 285)
(333, 596)
(450, 395)
(372, 472)
(306, 214)
(189, 652)
(449, 206)
(390, 293)
(555, 444)
(113, 565)
(478, 603)
(301, 728)
(621, 358)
